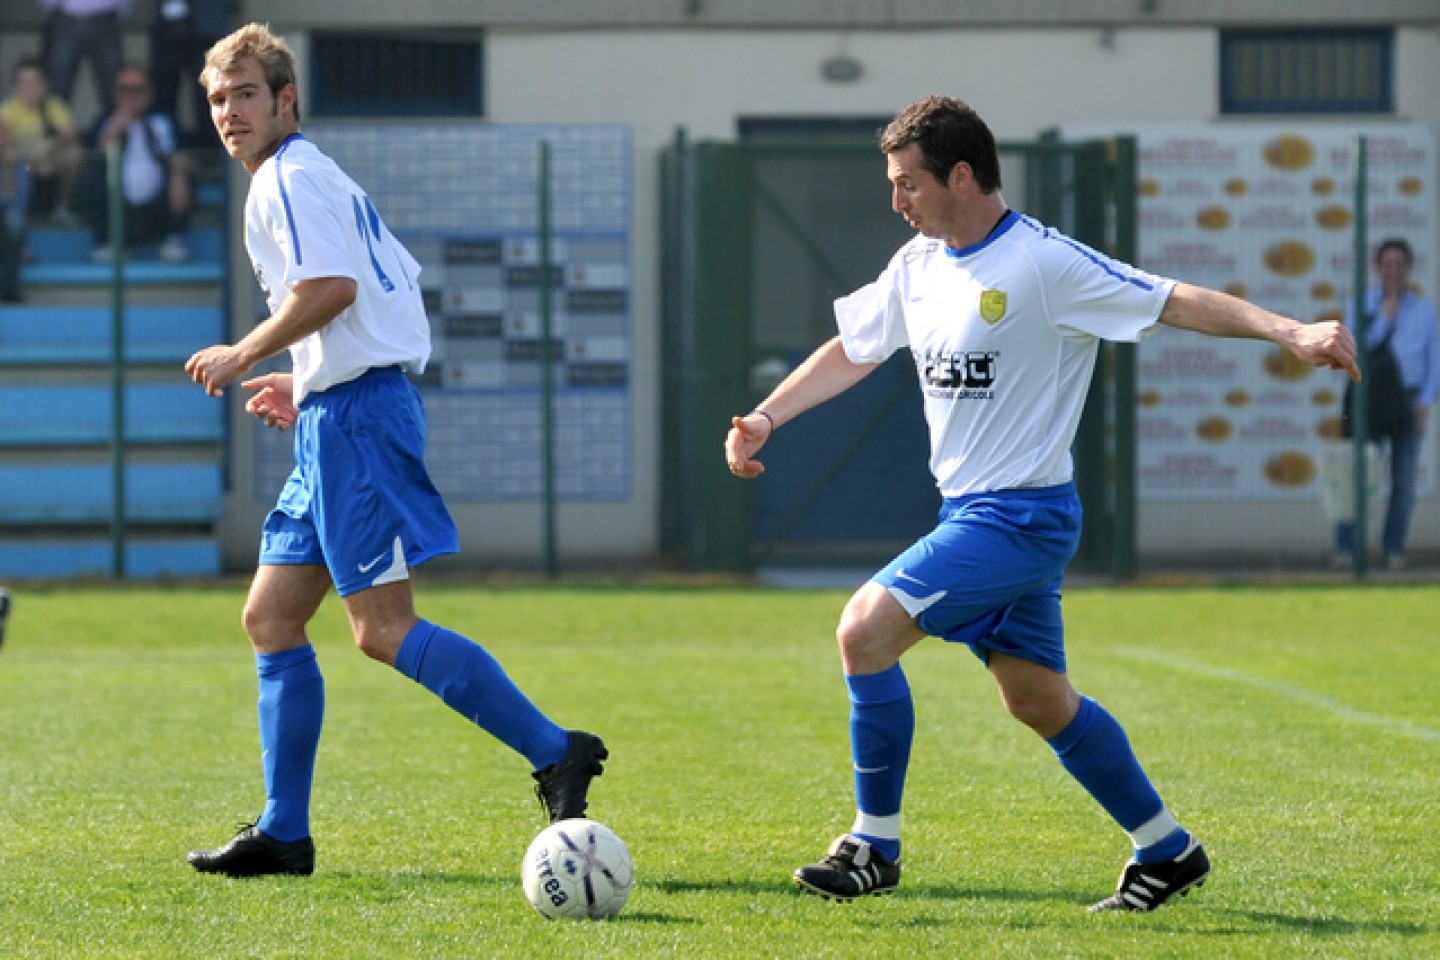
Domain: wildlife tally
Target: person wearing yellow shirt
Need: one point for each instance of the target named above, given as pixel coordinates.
(46, 138)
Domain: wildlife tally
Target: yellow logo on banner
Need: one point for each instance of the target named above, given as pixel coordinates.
(992, 305)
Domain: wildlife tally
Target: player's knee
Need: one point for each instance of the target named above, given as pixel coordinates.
(1046, 715)
(874, 631)
(855, 634)
(377, 643)
(262, 626)
(1028, 710)
(866, 646)
(368, 643)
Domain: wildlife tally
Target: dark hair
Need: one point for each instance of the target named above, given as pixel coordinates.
(949, 131)
(28, 63)
(1395, 243)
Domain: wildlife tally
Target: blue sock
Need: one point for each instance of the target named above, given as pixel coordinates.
(882, 726)
(1096, 752)
(473, 684)
(291, 709)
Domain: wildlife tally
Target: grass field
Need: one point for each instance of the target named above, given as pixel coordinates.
(1297, 730)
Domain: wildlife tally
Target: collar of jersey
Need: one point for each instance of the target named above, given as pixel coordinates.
(1006, 222)
(297, 135)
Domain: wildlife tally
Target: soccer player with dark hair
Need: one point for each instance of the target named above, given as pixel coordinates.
(1003, 317)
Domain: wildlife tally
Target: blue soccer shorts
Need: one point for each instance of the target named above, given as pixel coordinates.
(360, 500)
(989, 574)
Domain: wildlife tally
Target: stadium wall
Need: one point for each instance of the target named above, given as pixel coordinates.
(704, 66)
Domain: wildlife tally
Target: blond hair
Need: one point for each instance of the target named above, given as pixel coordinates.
(254, 41)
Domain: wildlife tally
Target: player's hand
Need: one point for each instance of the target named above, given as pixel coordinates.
(747, 435)
(273, 403)
(216, 367)
(1327, 344)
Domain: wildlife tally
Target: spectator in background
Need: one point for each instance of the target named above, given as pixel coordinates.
(46, 140)
(154, 171)
(4, 613)
(180, 33)
(79, 29)
(1403, 322)
(14, 199)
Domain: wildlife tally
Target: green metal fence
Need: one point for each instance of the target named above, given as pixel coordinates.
(759, 238)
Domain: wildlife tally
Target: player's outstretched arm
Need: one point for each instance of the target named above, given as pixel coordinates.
(1218, 314)
(826, 373)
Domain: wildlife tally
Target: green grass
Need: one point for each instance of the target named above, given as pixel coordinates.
(1297, 730)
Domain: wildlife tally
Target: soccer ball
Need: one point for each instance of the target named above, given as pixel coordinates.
(577, 869)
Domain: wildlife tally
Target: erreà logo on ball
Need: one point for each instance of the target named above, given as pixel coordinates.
(553, 888)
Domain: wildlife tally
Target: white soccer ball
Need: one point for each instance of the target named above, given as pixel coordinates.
(577, 869)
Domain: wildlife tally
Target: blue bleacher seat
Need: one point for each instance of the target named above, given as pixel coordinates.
(62, 256)
(50, 494)
(78, 414)
(145, 559)
(211, 194)
(82, 335)
(54, 501)
(61, 245)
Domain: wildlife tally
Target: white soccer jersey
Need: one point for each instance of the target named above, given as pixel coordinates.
(1004, 336)
(306, 219)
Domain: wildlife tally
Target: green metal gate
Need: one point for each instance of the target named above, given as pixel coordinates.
(758, 240)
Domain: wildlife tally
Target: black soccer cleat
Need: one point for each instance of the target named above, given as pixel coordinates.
(254, 853)
(5, 603)
(851, 868)
(1145, 886)
(562, 786)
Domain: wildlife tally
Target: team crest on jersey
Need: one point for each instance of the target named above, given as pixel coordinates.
(992, 305)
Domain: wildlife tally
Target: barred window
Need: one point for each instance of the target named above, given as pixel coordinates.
(360, 75)
(1320, 70)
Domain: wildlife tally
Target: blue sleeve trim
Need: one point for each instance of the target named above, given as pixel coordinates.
(1104, 263)
(285, 196)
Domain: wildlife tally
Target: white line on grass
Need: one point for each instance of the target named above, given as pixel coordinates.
(1290, 692)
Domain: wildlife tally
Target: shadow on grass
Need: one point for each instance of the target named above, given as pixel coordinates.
(1335, 926)
(627, 916)
(911, 892)
(386, 886)
(397, 886)
(384, 881)
(755, 887)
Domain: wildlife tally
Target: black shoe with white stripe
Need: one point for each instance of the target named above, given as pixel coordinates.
(851, 868)
(1145, 886)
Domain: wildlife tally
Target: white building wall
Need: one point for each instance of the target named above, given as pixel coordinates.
(659, 66)
(656, 81)
(1022, 81)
